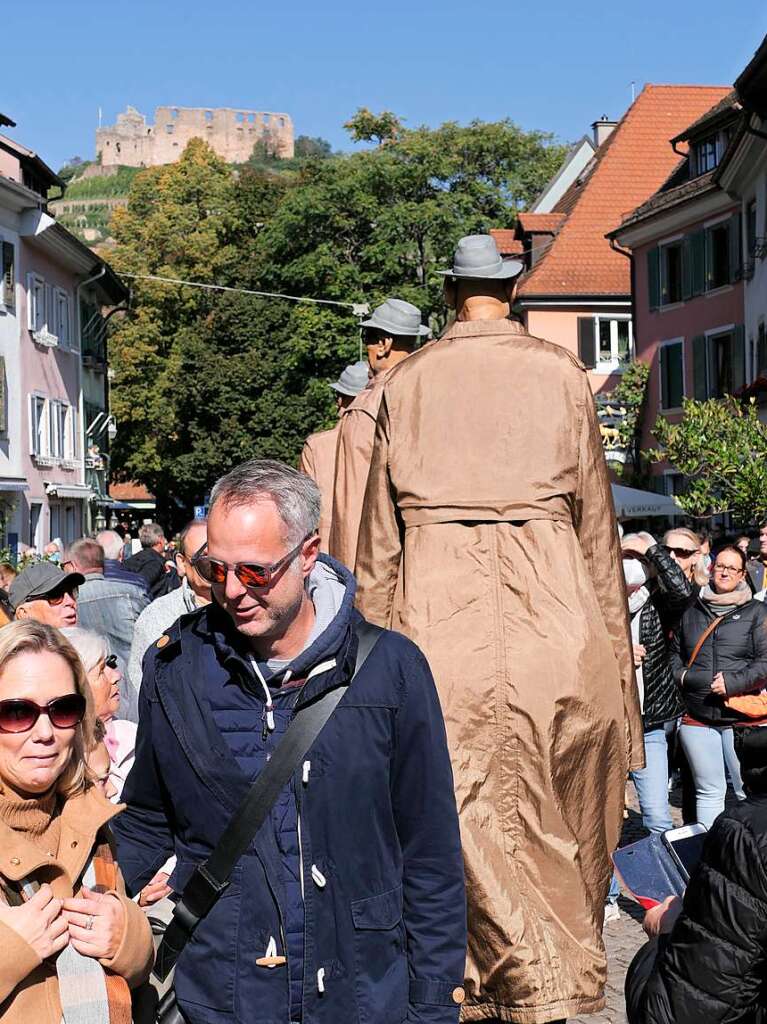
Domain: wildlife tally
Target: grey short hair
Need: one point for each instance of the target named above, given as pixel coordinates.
(296, 495)
(112, 543)
(91, 647)
(149, 534)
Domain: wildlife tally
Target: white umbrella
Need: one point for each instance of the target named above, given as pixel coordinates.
(631, 503)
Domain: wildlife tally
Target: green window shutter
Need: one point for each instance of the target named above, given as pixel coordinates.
(687, 268)
(761, 352)
(664, 397)
(697, 252)
(699, 375)
(653, 277)
(736, 246)
(738, 356)
(587, 342)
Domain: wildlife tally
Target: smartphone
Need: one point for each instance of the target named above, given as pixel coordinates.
(685, 846)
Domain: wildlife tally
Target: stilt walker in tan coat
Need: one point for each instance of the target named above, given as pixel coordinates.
(488, 537)
(390, 335)
(318, 455)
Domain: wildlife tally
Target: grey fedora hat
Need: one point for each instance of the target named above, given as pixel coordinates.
(353, 379)
(397, 317)
(477, 256)
(40, 579)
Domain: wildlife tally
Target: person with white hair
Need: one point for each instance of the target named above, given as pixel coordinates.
(114, 549)
(104, 679)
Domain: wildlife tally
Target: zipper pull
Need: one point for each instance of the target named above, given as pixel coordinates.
(307, 769)
(321, 980)
(319, 879)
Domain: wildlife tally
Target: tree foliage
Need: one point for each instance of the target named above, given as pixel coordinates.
(721, 446)
(204, 379)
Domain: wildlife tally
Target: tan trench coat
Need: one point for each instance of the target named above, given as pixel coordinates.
(353, 454)
(318, 460)
(489, 538)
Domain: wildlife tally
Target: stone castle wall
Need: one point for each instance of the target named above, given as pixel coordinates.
(230, 133)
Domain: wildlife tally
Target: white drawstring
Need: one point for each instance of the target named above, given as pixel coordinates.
(269, 709)
(319, 879)
(307, 769)
(321, 980)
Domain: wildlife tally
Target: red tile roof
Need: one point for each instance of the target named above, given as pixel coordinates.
(627, 169)
(548, 222)
(507, 244)
(130, 491)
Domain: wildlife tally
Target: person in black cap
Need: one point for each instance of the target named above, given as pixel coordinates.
(46, 594)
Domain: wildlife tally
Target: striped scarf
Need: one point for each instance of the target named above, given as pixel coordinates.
(90, 993)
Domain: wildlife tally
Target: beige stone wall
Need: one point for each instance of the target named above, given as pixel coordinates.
(230, 133)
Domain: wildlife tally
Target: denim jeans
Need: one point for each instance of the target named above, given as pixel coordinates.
(708, 750)
(651, 782)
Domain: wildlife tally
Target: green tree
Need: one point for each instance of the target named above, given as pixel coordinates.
(306, 146)
(721, 447)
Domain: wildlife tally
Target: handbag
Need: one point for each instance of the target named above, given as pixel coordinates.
(752, 705)
(210, 879)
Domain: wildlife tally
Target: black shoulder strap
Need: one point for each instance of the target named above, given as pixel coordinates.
(210, 879)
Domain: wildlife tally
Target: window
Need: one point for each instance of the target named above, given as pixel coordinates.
(671, 285)
(35, 509)
(251, 118)
(38, 426)
(70, 437)
(62, 321)
(208, 115)
(174, 114)
(671, 359)
(705, 155)
(751, 229)
(719, 362)
(36, 320)
(615, 341)
(169, 128)
(239, 116)
(717, 256)
(55, 429)
(7, 275)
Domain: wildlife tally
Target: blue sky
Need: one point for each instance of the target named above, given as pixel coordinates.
(546, 64)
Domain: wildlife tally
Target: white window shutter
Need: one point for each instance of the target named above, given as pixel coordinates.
(32, 424)
(31, 302)
(49, 318)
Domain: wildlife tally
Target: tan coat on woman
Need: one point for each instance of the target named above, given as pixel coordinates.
(489, 538)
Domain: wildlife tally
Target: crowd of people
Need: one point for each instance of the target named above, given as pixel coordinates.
(436, 632)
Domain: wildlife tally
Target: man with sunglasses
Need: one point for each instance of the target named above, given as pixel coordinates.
(350, 903)
(46, 594)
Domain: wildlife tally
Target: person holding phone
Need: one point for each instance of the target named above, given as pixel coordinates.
(718, 651)
(707, 956)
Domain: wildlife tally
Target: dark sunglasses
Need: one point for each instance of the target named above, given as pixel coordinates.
(57, 598)
(110, 661)
(681, 552)
(20, 715)
(250, 574)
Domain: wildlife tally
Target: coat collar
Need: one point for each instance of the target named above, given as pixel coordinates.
(81, 818)
(484, 328)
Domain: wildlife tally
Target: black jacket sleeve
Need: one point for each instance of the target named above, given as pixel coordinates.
(676, 590)
(749, 678)
(711, 967)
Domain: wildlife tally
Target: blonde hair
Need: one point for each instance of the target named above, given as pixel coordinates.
(700, 575)
(30, 637)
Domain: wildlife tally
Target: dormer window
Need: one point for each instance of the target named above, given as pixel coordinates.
(705, 155)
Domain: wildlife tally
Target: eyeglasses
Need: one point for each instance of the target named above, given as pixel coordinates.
(110, 661)
(20, 715)
(250, 574)
(681, 552)
(727, 568)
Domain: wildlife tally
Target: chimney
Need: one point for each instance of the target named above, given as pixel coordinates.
(602, 129)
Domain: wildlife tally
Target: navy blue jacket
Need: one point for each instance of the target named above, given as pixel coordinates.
(385, 928)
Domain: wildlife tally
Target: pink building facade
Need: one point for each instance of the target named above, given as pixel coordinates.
(48, 276)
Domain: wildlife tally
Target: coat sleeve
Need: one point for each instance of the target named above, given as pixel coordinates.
(17, 960)
(597, 532)
(135, 955)
(434, 899)
(306, 462)
(711, 967)
(143, 832)
(755, 676)
(675, 588)
(353, 455)
(379, 548)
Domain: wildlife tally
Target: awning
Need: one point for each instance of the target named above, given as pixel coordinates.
(79, 491)
(13, 485)
(631, 503)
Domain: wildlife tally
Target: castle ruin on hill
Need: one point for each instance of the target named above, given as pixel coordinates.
(230, 133)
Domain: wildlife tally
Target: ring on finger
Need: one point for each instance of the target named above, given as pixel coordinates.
(89, 923)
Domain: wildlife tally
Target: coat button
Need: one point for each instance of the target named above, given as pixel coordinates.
(74, 843)
(459, 994)
(163, 641)
(15, 861)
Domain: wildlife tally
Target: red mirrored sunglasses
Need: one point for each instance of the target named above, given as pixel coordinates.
(20, 715)
(250, 574)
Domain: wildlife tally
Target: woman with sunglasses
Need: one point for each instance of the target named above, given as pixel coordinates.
(718, 651)
(104, 679)
(71, 943)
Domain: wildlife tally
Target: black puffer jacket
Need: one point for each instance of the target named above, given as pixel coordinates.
(670, 593)
(712, 968)
(737, 648)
